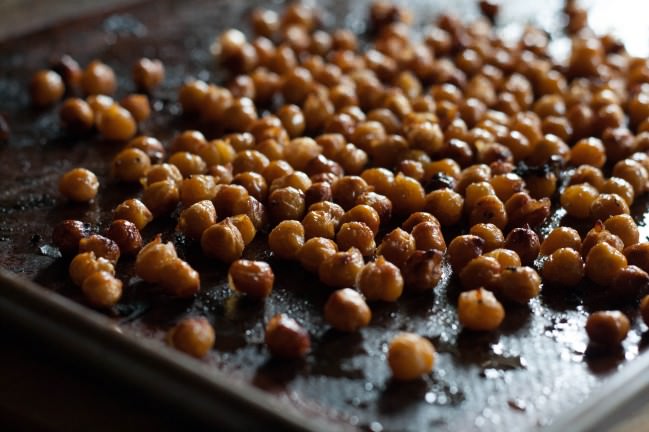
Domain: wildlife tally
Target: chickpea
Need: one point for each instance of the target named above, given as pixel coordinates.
(476, 191)
(192, 94)
(315, 251)
(188, 163)
(578, 200)
(101, 289)
(317, 192)
(285, 338)
(46, 88)
(245, 226)
(608, 328)
(519, 284)
(195, 219)
(489, 209)
(380, 280)
(525, 243)
(197, 188)
(76, 115)
(347, 311)
(163, 171)
(79, 184)
(428, 235)
(365, 214)
(85, 264)
(588, 151)
(479, 310)
(286, 239)
(506, 185)
(357, 235)
(66, 235)
(630, 283)
(148, 73)
(607, 205)
(161, 197)
(116, 123)
(638, 255)
(600, 235)
(397, 246)
(99, 104)
(446, 205)
(423, 270)
(345, 190)
(102, 247)
(506, 257)
(286, 203)
(463, 249)
(541, 185)
(130, 165)
(621, 187)
(410, 356)
(228, 197)
(588, 174)
(223, 241)
(276, 169)
(98, 78)
(253, 210)
(603, 263)
(564, 267)
(149, 145)
(254, 183)
(492, 235)
(297, 179)
(624, 227)
(126, 235)
(407, 195)
(178, 278)
(561, 237)
(253, 278)
(341, 269)
(634, 173)
(135, 211)
(193, 336)
(473, 174)
(380, 179)
(482, 271)
(299, 151)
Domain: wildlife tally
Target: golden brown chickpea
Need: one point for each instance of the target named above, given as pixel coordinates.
(506, 257)
(296, 179)
(363, 213)
(197, 188)
(423, 270)
(315, 251)
(347, 311)
(228, 197)
(46, 88)
(99, 104)
(578, 199)
(253, 278)
(624, 227)
(245, 226)
(588, 174)
(66, 235)
(223, 241)
(317, 192)
(357, 235)
(285, 338)
(98, 78)
(276, 169)
(345, 190)
(116, 123)
(135, 211)
(85, 264)
(79, 184)
(149, 145)
(630, 283)
(130, 165)
(196, 218)
(621, 187)
(161, 197)
(428, 235)
(564, 267)
(193, 336)
(525, 243)
(492, 235)
(286, 239)
(600, 235)
(76, 115)
(126, 235)
(588, 151)
(638, 255)
(162, 172)
(292, 120)
(101, 246)
(482, 271)
(607, 328)
(489, 209)
(217, 152)
(192, 94)
(179, 279)
(397, 246)
(300, 151)
(380, 280)
(417, 218)
(341, 269)
(618, 141)
(603, 263)
(102, 290)
(634, 173)
(446, 205)
(479, 310)
(152, 257)
(286, 203)
(138, 105)
(410, 356)
(561, 237)
(518, 284)
(463, 249)
(188, 163)
(541, 185)
(607, 205)
(475, 191)
(148, 73)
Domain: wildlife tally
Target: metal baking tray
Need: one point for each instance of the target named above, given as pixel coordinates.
(535, 373)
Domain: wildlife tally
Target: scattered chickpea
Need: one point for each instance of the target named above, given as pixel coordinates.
(638, 255)
(423, 270)
(66, 235)
(148, 73)
(130, 165)
(397, 246)
(410, 356)
(223, 241)
(193, 336)
(195, 219)
(561, 237)
(135, 211)
(98, 78)
(481, 271)
(358, 235)
(285, 338)
(630, 283)
(525, 243)
(103, 247)
(480, 310)
(126, 235)
(253, 278)
(347, 311)
(578, 200)
(286, 239)
(101, 289)
(446, 205)
(79, 184)
(603, 263)
(76, 115)
(463, 249)
(492, 235)
(506, 257)
(152, 257)
(341, 269)
(624, 227)
(161, 197)
(380, 280)
(607, 328)
(518, 284)
(85, 264)
(564, 267)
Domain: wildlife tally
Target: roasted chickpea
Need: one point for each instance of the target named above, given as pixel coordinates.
(286, 203)
(480, 310)
(588, 151)
(103, 247)
(135, 211)
(66, 235)
(152, 257)
(608, 328)
(192, 94)
(46, 88)
(525, 243)
(285, 338)
(624, 227)
(300, 151)
(188, 163)
(630, 283)
(297, 179)
(482, 271)
(588, 174)
(148, 73)
(341, 269)
(428, 235)
(163, 171)
(228, 197)
(253, 278)
(506, 257)
(518, 284)
(197, 188)
(564, 267)
(195, 219)
(85, 264)
(138, 105)
(410, 356)
(423, 270)
(603, 263)
(345, 190)
(600, 235)
(317, 192)
(130, 165)
(446, 205)
(193, 336)
(79, 184)
(254, 183)
(607, 205)
(101, 289)
(489, 209)
(397, 246)
(363, 213)
(475, 191)
(358, 235)
(98, 78)
(634, 173)
(380, 280)
(406, 195)
(179, 279)
(76, 115)
(286, 239)
(347, 311)
(561, 237)
(126, 235)
(116, 123)
(621, 187)
(463, 249)
(578, 200)
(315, 251)
(223, 241)
(161, 197)
(149, 145)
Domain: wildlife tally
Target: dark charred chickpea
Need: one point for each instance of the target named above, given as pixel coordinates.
(607, 205)
(621, 187)
(561, 237)
(603, 263)
(286, 203)
(463, 249)
(506, 257)
(101, 289)
(285, 338)
(223, 241)
(630, 283)
(489, 209)
(317, 192)
(479, 310)
(578, 199)
(358, 235)
(347, 311)
(588, 151)
(130, 165)
(252, 278)
(492, 235)
(135, 211)
(315, 251)
(482, 271)
(397, 246)
(179, 279)
(126, 235)
(380, 280)
(116, 123)
(193, 336)
(79, 184)
(446, 205)
(102, 247)
(152, 257)
(607, 328)
(66, 235)
(518, 284)
(148, 73)
(98, 78)
(624, 227)
(46, 88)
(76, 115)
(341, 269)
(197, 218)
(85, 264)
(564, 267)
(410, 356)
(423, 270)
(161, 197)
(286, 239)
(525, 243)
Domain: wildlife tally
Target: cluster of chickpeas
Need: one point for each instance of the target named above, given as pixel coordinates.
(373, 168)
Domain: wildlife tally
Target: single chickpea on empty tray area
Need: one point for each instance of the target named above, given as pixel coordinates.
(408, 167)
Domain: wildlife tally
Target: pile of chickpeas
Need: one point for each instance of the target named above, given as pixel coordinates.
(377, 169)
